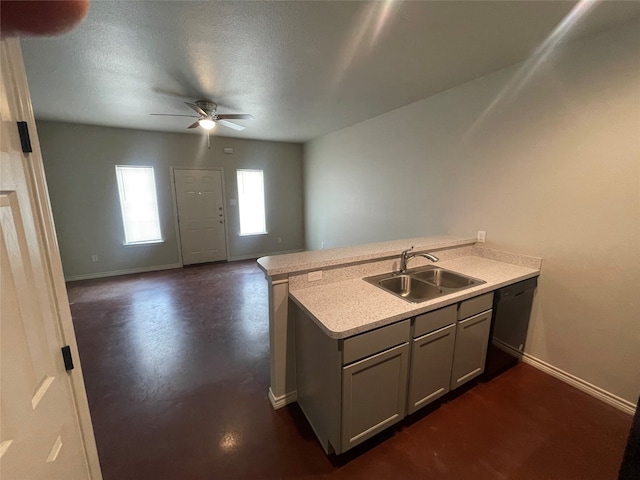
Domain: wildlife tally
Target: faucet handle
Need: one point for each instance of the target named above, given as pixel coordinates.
(404, 258)
(408, 250)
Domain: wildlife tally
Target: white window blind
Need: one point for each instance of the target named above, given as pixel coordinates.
(137, 188)
(251, 202)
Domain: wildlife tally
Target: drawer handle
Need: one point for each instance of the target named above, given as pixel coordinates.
(471, 324)
(441, 329)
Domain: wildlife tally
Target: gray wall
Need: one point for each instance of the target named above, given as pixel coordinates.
(80, 166)
(551, 169)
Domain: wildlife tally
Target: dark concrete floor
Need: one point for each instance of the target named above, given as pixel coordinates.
(176, 366)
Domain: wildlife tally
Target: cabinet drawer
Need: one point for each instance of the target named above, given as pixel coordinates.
(431, 321)
(370, 343)
(475, 305)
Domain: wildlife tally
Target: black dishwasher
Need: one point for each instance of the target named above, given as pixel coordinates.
(509, 325)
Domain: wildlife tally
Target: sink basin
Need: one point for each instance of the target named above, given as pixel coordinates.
(409, 288)
(446, 279)
(423, 284)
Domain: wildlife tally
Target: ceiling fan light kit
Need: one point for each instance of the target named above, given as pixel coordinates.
(208, 116)
(207, 123)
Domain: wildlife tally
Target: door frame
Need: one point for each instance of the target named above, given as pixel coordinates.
(174, 198)
(43, 218)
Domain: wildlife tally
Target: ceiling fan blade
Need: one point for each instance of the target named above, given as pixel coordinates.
(194, 124)
(226, 123)
(235, 116)
(172, 115)
(196, 108)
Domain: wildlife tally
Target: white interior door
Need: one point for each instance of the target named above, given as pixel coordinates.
(45, 428)
(201, 218)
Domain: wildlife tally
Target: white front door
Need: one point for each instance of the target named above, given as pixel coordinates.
(45, 429)
(200, 205)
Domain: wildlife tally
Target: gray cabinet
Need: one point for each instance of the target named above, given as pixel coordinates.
(472, 337)
(354, 388)
(431, 357)
(351, 389)
(373, 394)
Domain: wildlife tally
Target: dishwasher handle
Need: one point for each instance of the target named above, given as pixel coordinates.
(516, 289)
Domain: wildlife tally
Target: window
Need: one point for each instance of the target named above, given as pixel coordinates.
(251, 202)
(139, 204)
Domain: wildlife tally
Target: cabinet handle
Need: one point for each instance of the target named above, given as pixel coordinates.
(376, 355)
(439, 330)
(470, 322)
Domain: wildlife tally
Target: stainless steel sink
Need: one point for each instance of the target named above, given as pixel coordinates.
(424, 283)
(445, 278)
(409, 288)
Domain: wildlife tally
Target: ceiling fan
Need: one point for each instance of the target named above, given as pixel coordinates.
(208, 116)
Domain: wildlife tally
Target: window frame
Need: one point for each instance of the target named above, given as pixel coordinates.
(264, 202)
(121, 197)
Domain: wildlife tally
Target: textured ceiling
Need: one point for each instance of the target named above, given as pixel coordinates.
(302, 69)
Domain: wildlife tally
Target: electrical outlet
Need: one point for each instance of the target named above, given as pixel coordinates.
(279, 240)
(94, 258)
(482, 235)
(321, 245)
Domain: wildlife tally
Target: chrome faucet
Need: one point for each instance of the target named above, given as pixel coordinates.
(405, 257)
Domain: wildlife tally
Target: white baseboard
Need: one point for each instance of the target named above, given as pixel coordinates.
(127, 271)
(281, 401)
(155, 268)
(580, 384)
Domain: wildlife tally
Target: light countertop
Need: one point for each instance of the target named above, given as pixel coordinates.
(318, 259)
(353, 306)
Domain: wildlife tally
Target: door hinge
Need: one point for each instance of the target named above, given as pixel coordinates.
(25, 140)
(66, 356)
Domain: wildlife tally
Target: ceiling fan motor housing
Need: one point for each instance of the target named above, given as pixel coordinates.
(207, 105)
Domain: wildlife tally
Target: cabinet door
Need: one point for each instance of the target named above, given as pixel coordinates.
(431, 360)
(472, 335)
(373, 394)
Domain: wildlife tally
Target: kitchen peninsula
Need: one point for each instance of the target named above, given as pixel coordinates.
(328, 286)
